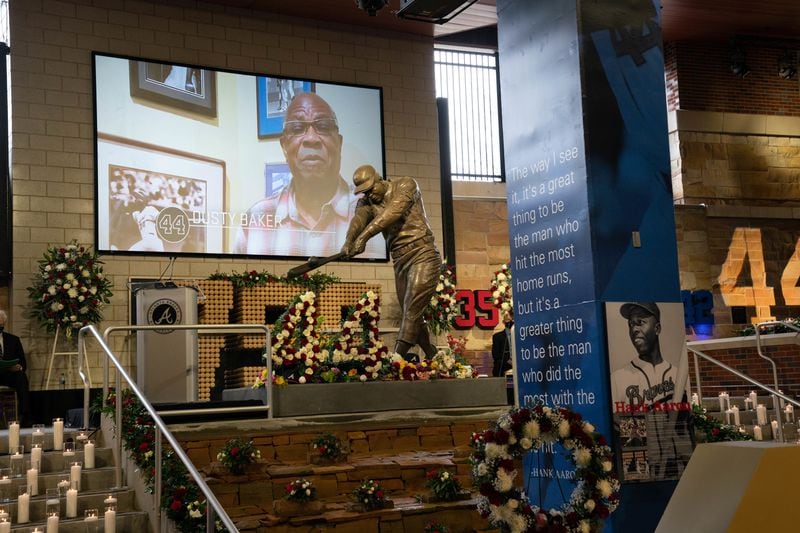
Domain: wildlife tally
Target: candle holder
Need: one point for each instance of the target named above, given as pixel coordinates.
(52, 502)
(4, 512)
(17, 461)
(36, 457)
(5, 485)
(37, 437)
(80, 441)
(68, 451)
(91, 520)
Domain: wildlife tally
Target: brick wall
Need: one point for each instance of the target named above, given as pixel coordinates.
(706, 83)
(52, 120)
(482, 246)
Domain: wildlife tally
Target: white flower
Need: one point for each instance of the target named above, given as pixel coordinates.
(61, 266)
(585, 526)
(72, 293)
(532, 430)
(588, 428)
(589, 505)
(582, 457)
(70, 276)
(51, 289)
(195, 513)
(362, 377)
(504, 481)
(605, 488)
(563, 429)
(607, 466)
(526, 443)
(68, 285)
(85, 273)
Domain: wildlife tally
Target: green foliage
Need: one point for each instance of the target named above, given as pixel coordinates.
(237, 453)
(316, 282)
(710, 429)
(300, 490)
(443, 484)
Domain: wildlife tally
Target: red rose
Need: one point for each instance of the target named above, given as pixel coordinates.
(176, 505)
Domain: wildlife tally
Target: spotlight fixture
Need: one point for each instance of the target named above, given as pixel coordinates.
(371, 6)
(787, 65)
(738, 64)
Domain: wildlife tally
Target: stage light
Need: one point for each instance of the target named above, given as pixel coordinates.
(738, 63)
(787, 65)
(371, 6)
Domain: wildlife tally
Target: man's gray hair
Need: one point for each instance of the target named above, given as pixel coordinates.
(3, 315)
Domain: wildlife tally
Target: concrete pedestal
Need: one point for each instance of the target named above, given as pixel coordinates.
(736, 487)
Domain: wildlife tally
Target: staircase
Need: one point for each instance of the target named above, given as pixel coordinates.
(748, 417)
(96, 486)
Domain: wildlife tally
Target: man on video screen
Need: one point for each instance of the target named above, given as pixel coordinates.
(310, 216)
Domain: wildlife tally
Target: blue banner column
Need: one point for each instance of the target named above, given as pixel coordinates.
(588, 174)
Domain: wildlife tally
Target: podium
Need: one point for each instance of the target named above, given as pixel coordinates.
(166, 360)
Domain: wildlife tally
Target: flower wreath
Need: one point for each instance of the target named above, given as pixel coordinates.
(362, 352)
(496, 458)
(70, 288)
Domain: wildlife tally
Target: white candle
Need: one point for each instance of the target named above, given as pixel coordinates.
(724, 401)
(13, 436)
(774, 425)
(52, 523)
(729, 417)
(757, 435)
(695, 399)
(735, 412)
(23, 508)
(110, 521)
(788, 412)
(4, 516)
(58, 433)
(69, 452)
(33, 481)
(36, 457)
(63, 485)
(88, 454)
(111, 500)
(753, 399)
(75, 475)
(17, 464)
(761, 414)
(72, 503)
(748, 403)
(90, 518)
(5, 526)
(80, 440)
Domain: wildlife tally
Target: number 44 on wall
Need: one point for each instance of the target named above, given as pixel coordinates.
(746, 244)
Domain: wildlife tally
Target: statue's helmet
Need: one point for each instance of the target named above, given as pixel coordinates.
(364, 178)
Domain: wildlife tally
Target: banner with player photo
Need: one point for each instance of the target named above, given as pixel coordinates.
(649, 389)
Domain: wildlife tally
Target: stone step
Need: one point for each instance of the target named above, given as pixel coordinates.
(53, 461)
(126, 522)
(402, 474)
(86, 500)
(25, 438)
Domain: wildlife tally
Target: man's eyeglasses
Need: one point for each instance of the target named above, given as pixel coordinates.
(323, 126)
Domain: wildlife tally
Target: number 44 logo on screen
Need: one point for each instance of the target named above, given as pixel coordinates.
(746, 244)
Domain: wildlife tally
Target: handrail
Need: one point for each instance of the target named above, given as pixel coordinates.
(745, 377)
(777, 405)
(213, 504)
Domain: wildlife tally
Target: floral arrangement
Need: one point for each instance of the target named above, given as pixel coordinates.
(501, 294)
(300, 490)
(328, 446)
(443, 484)
(495, 460)
(360, 354)
(237, 453)
(300, 354)
(711, 429)
(442, 309)
(316, 282)
(435, 527)
(297, 347)
(181, 499)
(371, 495)
(70, 289)
(788, 325)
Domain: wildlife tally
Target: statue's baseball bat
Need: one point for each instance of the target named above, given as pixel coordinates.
(312, 264)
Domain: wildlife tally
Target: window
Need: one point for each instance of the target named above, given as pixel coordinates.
(468, 79)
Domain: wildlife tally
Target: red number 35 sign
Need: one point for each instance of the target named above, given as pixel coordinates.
(477, 310)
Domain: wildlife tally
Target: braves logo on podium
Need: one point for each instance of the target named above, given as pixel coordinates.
(164, 312)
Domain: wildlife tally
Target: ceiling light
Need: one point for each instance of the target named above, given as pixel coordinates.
(435, 11)
(371, 6)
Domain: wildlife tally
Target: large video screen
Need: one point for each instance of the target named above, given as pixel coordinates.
(197, 161)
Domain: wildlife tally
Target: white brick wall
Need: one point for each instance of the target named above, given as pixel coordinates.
(52, 143)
